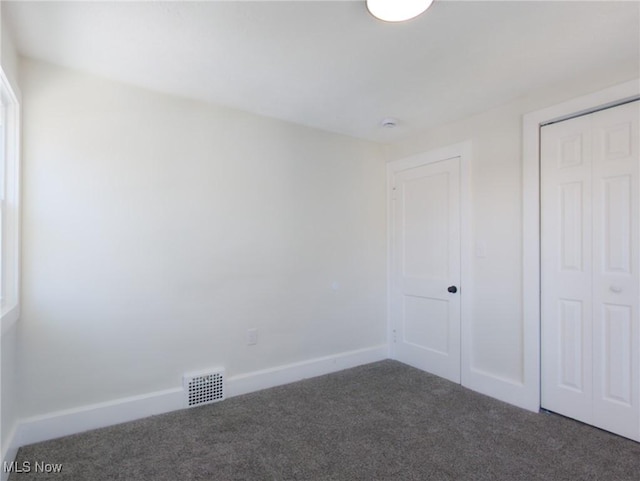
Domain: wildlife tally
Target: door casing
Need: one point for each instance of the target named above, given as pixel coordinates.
(590, 204)
(625, 92)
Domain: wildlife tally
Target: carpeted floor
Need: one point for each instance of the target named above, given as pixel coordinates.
(383, 421)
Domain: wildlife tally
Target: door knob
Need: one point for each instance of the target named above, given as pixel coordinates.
(452, 289)
(616, 288)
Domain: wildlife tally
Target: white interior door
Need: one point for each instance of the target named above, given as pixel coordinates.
(425, 278)
(590, 284)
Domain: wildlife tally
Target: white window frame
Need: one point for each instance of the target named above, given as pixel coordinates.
(10, 208)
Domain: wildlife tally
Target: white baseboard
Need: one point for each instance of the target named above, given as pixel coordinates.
(72, 421)
(77, 420)
(8, 453)
(523, 395)
(507, 390)
(278, 376)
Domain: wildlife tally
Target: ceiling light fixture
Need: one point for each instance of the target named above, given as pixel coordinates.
(397, 10)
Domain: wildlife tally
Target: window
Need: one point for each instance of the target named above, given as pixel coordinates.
(9, 204)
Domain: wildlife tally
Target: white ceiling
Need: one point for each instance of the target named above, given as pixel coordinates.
(329, 64)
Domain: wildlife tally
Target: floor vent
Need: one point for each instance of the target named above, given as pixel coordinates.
(203, 387)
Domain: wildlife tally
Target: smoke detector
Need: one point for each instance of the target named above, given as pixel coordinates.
(389, 123)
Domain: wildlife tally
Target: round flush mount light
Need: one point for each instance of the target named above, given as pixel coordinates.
(397, 10)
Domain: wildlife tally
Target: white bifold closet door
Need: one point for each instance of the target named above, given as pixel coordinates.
(590, 263)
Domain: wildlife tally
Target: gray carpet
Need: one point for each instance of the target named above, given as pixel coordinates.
(383, 421)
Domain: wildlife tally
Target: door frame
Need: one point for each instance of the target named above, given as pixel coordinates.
(462, 150)
(531, 268)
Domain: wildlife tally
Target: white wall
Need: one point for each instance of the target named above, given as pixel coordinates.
(157, 230)
(8, 342)
(497, 358)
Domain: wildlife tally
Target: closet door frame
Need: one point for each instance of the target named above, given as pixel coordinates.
(532, 123)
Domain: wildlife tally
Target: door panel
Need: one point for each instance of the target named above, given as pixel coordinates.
(590, 302)
(571, 367)
(566, 268)
(616, 340)
(426, 261)
(571, 213)
(616, 279)
(423, 326)
(617, 212)
(424, 223)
